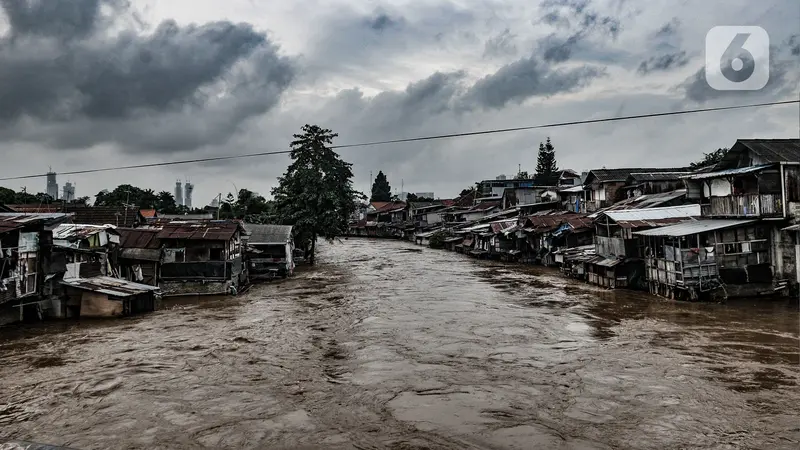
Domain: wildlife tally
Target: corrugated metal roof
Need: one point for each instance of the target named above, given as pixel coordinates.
(653, 213)
(651, 223)
(32, 217)
(7, 225)
(483, 226)
(572, 189)
(773, 150)
(608, 175)
(203, 216)
(139, 238)
(142, 254)
(729, 172)
(657, 176)
(268, 233)
(207, 231)
(110, 286)
(693, 227)
(67, 231)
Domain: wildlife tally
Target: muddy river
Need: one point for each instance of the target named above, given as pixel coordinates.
(388, 345)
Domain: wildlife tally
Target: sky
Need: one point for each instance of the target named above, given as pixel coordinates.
(106, 83)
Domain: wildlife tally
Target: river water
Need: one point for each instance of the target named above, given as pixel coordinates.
(388, 345)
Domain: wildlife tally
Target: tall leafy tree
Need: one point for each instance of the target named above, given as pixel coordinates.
(546, 164)
(709, 159)
(316, 193)
(381, 191)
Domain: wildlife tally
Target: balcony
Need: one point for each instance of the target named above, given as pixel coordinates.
(747, 205)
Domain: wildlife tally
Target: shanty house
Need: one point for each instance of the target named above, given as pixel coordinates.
(269, 250)
(691, 259)
(618, 260)
(90, 250)
(26, 262)
(202, 258)
(604, 187)
(758, 179)
(104, 296)
(639, 184)
(140, 255)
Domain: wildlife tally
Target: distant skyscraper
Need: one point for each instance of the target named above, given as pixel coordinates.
(52, 185)
(187, 194)
(178, 193)
(69, 192)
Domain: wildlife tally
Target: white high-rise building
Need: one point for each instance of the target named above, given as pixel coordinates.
(69, 192)
(187, 194)
(178, 193)
(52, 185)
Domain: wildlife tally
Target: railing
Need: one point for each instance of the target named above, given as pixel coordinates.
(748, 205)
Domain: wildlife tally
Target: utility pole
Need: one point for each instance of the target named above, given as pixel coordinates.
(219, 204)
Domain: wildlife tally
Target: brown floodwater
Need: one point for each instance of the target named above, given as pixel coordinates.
(388, 345)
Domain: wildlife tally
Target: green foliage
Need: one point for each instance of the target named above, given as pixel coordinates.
(710, 159)
(546, 162)
(126, 194)
(10, 197)
(381, 191)
(316, 193)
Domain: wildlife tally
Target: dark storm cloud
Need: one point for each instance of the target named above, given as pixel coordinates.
(663, 63)
(52, 18)
(120, 82)
(525, 78)
(794, 45)
(588, 32)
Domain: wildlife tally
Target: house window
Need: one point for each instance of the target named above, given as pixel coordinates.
(216, 254)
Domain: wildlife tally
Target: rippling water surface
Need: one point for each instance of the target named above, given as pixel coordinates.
(389, 345)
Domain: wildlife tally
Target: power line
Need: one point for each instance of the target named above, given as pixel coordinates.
(418, 139)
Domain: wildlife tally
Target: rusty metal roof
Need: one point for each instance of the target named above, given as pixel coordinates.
(773, 150)
(148, 213)
(33, 218)
(7, 225)
(110, 286)
(139, 238)
(665, 212)
(268, 233)
(213, 230)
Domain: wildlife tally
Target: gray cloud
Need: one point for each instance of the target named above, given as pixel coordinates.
(61, 19)
(784, 80)
(528, 77)
(500, 45)
(588, 32)
(663, 63)
(173, 75)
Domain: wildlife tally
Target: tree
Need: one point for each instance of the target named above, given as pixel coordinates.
(381, 191)
(523, 174)
(165, 203)
(710, 159)
(126, 194)
(546, 162)
(80, 201)
(316, 193)
(410, 197)
(7, 196)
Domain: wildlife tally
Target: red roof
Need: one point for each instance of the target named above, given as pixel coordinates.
(379, 205)
(206, 231)
(391, 206)
(448, 202)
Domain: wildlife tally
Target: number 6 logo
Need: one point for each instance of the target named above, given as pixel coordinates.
(737, 58)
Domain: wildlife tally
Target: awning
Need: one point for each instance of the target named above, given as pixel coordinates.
(604, 262)
(694, 227)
